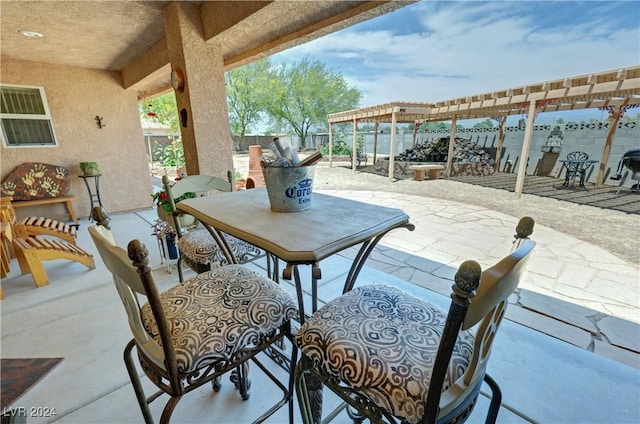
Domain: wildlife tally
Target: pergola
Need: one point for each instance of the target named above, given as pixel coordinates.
(614, 91)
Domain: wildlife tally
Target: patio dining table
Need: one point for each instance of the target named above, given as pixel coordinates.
(331, 225)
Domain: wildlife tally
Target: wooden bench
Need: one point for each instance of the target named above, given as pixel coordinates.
(49, 201)
(420, 171)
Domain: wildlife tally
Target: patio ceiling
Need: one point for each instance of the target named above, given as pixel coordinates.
(129, 37)
(618, 87)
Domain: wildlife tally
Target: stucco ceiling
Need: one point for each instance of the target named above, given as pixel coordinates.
(115, 35)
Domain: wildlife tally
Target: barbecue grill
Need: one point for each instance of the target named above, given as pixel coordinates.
(630, 160)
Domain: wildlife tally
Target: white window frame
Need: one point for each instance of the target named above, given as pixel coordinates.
(46, 116)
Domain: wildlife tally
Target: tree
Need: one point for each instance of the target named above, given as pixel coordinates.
(247, 93)
(305, 92)
(484, 124)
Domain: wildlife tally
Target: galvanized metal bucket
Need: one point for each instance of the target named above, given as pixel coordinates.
(289, 188)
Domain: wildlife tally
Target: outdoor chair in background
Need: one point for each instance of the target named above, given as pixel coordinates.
(196, 331)
(197, 247)
(36, 225)
(575, 165)
(34, 240)
(394, 357)
(361, 159)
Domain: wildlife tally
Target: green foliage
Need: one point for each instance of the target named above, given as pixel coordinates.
(248, 90)
(161, 198)
(165, 110)
(89, 168)
(305, 92)
(171, 155)
(484, 124)
(342, 148)
(294, 98)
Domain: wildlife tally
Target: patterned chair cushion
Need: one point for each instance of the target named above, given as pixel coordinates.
(382, 342)
(199, 247)
(218, 313)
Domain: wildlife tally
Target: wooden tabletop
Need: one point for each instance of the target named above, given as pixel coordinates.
(331, 225)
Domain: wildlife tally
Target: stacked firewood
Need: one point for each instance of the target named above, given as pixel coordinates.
(438, 150)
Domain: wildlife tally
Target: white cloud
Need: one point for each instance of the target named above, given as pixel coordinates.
(473, 47)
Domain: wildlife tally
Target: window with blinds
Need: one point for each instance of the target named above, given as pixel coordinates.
(26, 121)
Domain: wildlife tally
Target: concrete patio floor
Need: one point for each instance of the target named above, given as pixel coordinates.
(567, 352)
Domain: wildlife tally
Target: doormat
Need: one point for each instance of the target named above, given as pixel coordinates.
(17, 376)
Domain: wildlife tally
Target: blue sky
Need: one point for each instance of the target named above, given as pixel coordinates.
(436, 50)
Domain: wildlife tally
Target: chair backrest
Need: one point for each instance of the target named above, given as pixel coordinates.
(486, 311)
(577, 156)
(8, 213)
(128, 284)
(200, 185)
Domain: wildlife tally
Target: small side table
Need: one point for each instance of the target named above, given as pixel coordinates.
(94, 197)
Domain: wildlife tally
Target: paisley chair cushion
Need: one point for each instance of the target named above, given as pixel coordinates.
(382, 342)
(219, 313)
(199, 247)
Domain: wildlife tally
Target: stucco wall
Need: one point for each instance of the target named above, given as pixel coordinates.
(75, 97)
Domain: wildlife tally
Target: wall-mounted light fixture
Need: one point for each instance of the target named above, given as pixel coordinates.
(99, 122)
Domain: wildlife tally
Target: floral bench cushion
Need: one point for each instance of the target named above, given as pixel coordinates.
(383, 342)
(216, 314)
(199, 247)
(34, 180)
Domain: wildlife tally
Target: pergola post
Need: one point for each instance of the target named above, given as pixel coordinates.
(354, 153)
(452, 142)
(614, 117)
(375, 142)
(415, 133)
(502, 121)
(524, 155)
(330, 145)
(392, 144)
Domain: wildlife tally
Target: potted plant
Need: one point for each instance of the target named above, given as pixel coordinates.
(240, 181)
(89, 168)
(161, 199)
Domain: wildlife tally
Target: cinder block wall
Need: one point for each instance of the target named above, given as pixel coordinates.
(586, 137)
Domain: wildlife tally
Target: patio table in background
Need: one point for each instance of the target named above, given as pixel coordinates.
(575, 167)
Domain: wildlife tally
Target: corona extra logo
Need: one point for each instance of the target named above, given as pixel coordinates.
(302, 191)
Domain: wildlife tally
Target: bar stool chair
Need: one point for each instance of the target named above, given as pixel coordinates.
(392, 357)
(197, 330)
(197, 248)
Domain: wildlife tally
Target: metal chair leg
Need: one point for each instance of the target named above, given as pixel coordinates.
(622, 181)
(168, 409)
(303, 394)
(496, 399)
(179, 265)
(136, 383)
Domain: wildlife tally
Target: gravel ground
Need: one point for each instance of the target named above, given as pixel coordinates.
(617, 232)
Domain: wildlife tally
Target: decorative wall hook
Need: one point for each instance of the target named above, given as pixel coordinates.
(99, 122)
